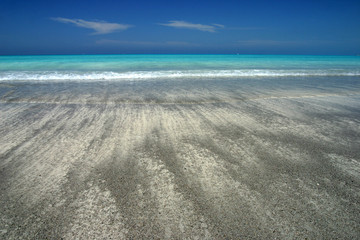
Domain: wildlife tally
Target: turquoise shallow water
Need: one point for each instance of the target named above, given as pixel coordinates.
(135, 67)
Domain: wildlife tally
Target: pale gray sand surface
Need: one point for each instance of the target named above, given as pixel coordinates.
(172, 160)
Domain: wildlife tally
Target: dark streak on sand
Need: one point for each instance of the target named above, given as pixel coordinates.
(201, 159)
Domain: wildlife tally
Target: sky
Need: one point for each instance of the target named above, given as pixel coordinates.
(187, 26)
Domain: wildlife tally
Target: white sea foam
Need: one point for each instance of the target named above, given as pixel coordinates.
(143, 75)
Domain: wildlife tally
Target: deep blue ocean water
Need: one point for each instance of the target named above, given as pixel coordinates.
(143, 67)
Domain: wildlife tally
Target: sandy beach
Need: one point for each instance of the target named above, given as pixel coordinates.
(180, 159)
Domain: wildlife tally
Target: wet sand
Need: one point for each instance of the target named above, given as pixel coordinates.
(205, 159)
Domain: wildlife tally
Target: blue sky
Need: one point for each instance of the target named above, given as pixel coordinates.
(245, 27)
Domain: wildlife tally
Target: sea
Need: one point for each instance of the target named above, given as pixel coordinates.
(173, 67)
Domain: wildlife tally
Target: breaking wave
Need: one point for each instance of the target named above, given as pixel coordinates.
(143, 75)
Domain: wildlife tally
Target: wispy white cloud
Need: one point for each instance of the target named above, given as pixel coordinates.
(218, 25)
(100, 27)
(195, 26)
